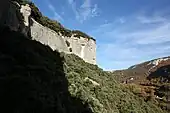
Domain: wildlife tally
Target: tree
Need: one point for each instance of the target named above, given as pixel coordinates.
(23, 2)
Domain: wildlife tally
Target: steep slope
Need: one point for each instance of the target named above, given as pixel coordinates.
(101, 91)
(33, 78)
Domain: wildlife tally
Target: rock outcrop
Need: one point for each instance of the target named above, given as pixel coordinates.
(83, 47)
(18, 18)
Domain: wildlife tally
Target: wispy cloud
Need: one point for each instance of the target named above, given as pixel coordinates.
(146, 20)
(56, 15)
(138, 39)
(84, 11)
(156, 17)
(122, 20)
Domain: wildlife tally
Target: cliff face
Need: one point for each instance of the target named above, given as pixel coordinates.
(84, 47)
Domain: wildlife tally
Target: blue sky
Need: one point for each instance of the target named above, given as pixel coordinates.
(128, 32)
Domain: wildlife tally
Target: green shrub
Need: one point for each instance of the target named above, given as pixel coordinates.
(134, 88)
(81, 34)
(32, 78)
(109, 96)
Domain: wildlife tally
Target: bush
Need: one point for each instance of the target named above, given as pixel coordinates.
(134, 88)
(107, 97)
(81, 34)
(32, 78)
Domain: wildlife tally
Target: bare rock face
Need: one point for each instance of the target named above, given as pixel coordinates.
(48, 37)
(18, 18)
(26, 12)
(84, 48)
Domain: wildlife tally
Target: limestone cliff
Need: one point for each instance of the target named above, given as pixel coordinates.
(83, 47)
(18, 18)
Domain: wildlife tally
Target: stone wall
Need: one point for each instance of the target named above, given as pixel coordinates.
(83, 46)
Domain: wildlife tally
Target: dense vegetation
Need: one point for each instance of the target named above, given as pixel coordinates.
(33, 78)
(154, 86)
(23, 2)
(102, 92)
(161, 80)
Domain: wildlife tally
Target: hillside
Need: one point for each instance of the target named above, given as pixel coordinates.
(32, 78)
(152, 77)
(36, 79)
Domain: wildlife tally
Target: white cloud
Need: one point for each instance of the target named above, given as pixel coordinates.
(150, 35)
(150, 20)
(156, 17)
(134, 41)
(95, 11)
(122, 20)
(56, 15)
(85, 11)
(160, 34)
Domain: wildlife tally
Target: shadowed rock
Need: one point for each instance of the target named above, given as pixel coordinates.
(32, 79)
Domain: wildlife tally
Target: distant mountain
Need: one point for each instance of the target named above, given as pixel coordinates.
(151, 76)
(153, 64)
(35, 78)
